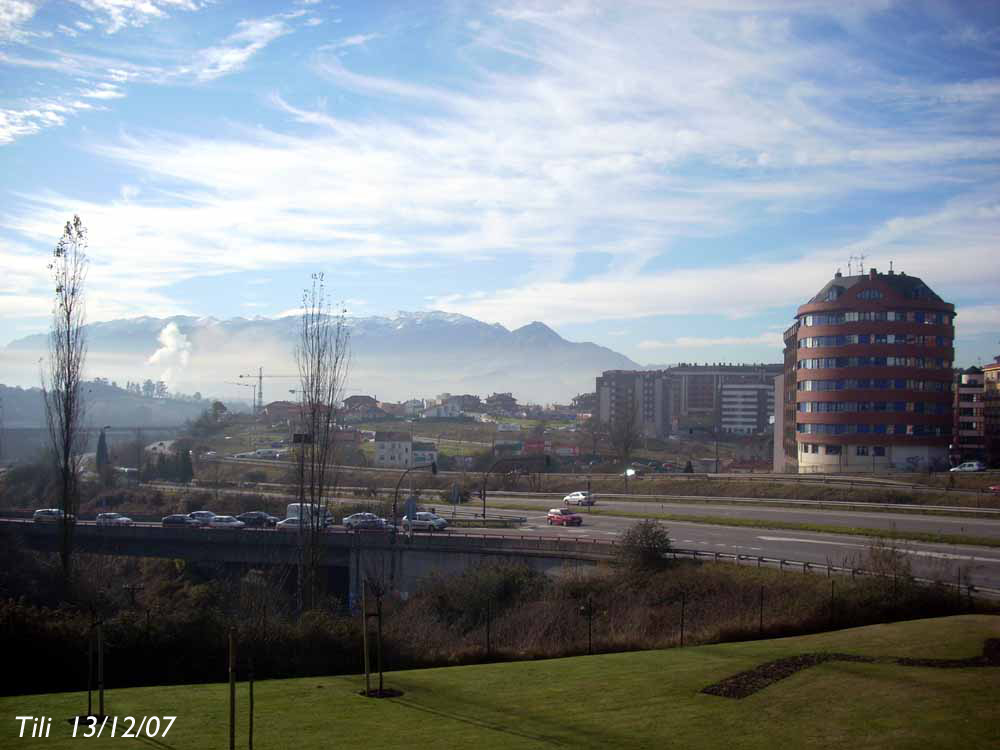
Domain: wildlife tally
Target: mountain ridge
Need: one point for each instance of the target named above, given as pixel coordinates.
(409, 354)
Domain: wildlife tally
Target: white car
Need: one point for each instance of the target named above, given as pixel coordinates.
(113, 519)
(579, 498)
(970, 466)
(49, 515)
(363, 521)
(225, 522)
(425, 521)
(201, 517)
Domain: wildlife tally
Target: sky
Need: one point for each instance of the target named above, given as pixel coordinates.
(668, 179)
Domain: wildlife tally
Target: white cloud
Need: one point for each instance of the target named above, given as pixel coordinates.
(977, 319)
(236, 50)
(356, 40)
(770, 340)
(103, 91)
(14, 14)
(115, 15)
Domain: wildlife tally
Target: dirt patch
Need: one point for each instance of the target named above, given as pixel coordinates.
(747, 683)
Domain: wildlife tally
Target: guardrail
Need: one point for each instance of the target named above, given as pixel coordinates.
(608, 549)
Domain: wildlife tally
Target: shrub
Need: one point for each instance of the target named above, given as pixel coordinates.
(645, 545)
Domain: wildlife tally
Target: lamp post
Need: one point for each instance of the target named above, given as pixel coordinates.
(395, 494)
(512, 459)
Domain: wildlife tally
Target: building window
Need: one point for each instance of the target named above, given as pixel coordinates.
(861, 450)
(833, 450)
(878, 450)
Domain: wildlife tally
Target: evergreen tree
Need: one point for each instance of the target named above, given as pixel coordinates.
(185, 471)
(103, 461)
(102, 453)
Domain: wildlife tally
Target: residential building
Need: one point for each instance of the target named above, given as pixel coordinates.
(747, 408)
(423, 453)
(645, 393)
(784, 417)
(968, 429)
(445, 409)
(393, 450)
(991, 412)
(501, 403)
(873, 375)
(675, 399)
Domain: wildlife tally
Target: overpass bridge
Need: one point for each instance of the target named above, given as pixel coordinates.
(347, 555)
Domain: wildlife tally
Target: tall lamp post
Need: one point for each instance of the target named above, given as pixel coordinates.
(395, 494)
(513, 459)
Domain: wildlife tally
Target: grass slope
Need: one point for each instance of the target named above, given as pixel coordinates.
(628, 700)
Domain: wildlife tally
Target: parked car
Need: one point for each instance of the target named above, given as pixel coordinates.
(201, 517)
(257, 519)
(357, 521)
(995, 488)
(50, 515)
(564, 517)
(178, 519)
(970, 466)
(225, 522)
(425, 521)
(113, 519)
(579, 498)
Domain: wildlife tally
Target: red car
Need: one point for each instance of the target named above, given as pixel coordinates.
(995, 488)
(564, 517)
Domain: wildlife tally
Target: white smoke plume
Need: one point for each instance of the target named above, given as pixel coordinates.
(174, 352)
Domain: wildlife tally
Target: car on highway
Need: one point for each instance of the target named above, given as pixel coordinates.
(357, 521)
(225, 522)
(294, 524)
(970, 466)
(257, 519)
(201, 517)
(425, 521)
(50, 515)
(113, 519)
(579, 498)
(563, 517)
(995, 488)
(178, 519)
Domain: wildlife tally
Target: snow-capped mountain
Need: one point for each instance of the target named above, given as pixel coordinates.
(412, 354)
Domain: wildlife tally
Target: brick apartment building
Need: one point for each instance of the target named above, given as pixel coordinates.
(872, 377)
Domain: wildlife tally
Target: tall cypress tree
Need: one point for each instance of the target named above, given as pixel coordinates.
(102, 454)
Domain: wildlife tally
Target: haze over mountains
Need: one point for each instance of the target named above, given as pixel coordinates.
(410, 355)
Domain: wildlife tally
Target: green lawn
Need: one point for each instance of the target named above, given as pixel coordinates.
(630, 700)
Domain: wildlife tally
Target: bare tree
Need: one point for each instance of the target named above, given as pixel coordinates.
(322, 356)
(62, 377)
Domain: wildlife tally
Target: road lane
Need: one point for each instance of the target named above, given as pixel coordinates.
(931, 524)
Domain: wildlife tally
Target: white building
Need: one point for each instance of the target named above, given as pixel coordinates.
(747, 408)
(424, 453)
(393, 450)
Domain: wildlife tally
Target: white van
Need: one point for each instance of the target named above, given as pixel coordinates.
(303, 510)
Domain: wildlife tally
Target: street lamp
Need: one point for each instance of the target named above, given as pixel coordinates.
(512, 459)
(395, 494)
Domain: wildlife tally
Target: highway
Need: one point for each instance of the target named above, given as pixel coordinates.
(888, 521)
(978, 566)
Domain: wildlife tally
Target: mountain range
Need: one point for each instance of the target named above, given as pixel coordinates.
(413, 354)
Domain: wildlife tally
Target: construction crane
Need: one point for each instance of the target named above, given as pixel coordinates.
(258, 405)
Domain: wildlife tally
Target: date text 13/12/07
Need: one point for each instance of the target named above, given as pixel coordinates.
(146, 726)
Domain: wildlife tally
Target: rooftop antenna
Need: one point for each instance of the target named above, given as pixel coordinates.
(890, 266)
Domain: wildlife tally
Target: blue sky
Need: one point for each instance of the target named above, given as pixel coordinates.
(668, 179)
